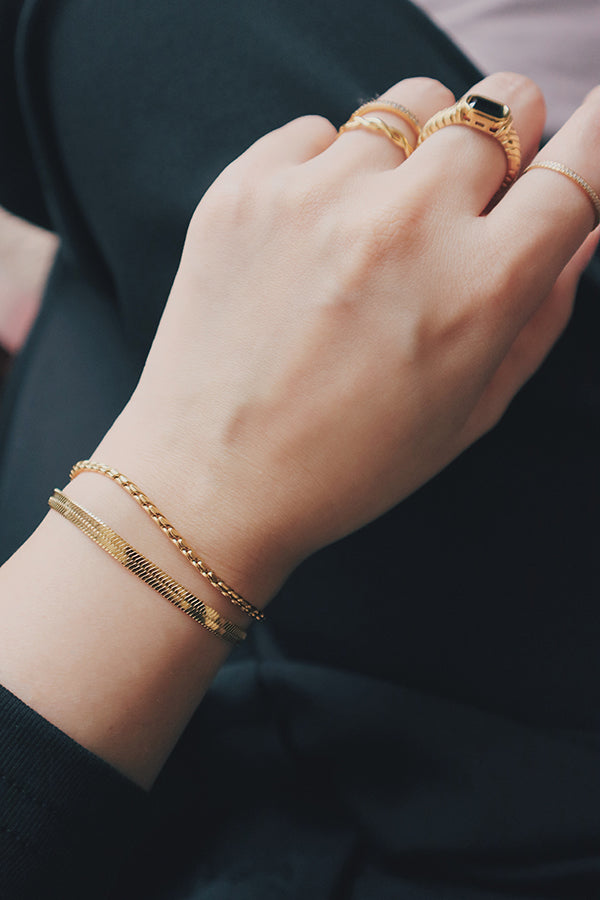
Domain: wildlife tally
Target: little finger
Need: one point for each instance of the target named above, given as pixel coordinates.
(555, 212)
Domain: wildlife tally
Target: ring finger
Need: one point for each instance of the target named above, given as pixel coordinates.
(373, 149)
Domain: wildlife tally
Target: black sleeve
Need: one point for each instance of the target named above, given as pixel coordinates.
(20, 189)
(66, 817)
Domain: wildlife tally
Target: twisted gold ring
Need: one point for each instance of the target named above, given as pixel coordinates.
(374, 123)
(489, 117)
(573, 176)
(396, 109)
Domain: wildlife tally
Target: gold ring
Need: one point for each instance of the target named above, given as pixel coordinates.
(374, 123)
(489, 117)
(396, 109)
(574, 177)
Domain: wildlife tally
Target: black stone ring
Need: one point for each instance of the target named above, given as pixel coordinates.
(489, 117)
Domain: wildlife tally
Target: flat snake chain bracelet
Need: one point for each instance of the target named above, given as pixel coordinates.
(113, 544)
(87, 465)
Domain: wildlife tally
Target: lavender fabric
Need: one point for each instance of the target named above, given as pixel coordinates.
(555, 43)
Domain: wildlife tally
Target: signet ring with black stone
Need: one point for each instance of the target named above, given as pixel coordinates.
(491, 118)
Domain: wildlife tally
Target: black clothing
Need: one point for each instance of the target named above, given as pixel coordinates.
(457, 755)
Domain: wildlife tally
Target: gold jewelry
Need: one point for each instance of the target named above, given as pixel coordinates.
(489, 117)
(374, 123)
(113, 544)
(382, 105)
(574, 177)
(166, 527)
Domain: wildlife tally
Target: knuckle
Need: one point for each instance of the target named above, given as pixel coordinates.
(513, 87)
(311, 134)
(516, 82)
(229, 201)
(318, 129)
(423, 90)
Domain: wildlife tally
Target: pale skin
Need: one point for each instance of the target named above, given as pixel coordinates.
(342, 325)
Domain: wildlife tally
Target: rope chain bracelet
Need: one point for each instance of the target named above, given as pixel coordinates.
(87, 465)
(117, 547)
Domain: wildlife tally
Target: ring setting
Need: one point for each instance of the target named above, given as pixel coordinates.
(489, 117)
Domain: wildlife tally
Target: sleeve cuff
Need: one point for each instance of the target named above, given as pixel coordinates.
(66, 817)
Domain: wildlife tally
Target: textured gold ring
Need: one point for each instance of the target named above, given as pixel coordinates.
(488, 117)
(374, 123)
(396, 109)
(573, 176)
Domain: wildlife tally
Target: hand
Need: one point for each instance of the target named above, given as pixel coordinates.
(344, 323)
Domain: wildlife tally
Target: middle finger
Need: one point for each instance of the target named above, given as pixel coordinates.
(471, 166)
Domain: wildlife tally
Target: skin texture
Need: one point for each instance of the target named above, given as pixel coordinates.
(342, 325)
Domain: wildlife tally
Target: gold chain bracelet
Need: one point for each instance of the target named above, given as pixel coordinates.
(113, 544)
(87, 465)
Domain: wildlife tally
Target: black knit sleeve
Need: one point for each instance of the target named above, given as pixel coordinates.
(20, 189)
(66, 817)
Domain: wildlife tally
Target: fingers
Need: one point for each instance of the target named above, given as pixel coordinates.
(293, 144)
(531, 346)
(472, 165)
(466, 168)
(554, 215)
(361, 150)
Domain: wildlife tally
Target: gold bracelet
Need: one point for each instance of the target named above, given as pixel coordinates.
(173, 535)
(113, 544)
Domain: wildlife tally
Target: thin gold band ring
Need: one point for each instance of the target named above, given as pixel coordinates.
(396, 109)
(573, 176)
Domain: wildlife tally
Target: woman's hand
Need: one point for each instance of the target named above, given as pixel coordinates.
(345, 322)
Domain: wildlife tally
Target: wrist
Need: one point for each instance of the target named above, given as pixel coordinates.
(91, 647)
(206, 494)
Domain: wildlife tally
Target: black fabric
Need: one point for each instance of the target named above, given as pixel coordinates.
(20, 189)
(350, 787)
(56, 800)
(445, 743)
